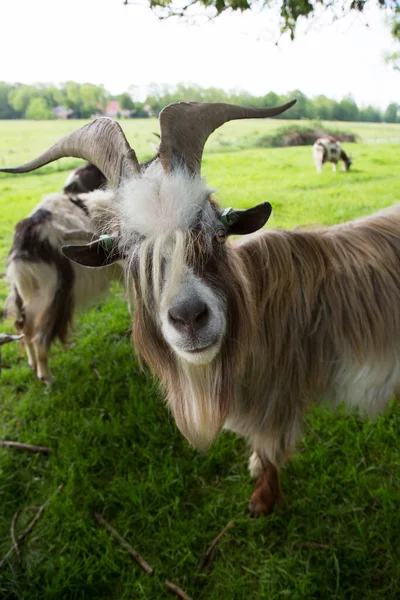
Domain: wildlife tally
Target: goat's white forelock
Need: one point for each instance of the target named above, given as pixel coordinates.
(157, 204)
(159, 208)
(150, 255)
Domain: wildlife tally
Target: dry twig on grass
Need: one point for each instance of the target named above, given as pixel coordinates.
(122, 542)
(313, 546)
(12, 533)
(22, 446)
(95, 370)
(209, 554)
(6, 338)
(176, 590)
(31, 525)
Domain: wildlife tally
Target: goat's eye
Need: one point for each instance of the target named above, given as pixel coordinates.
(221, 236)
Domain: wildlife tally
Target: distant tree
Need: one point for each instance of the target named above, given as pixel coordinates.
(392, 113)
(323, 108)
(7, 111)
(346, 110)
(126, 101)
(83, 99)
(302, 109)
(271, 99)
(21, 96)
(139, 111)
(38, 110)
(93, 98)
(370, 114)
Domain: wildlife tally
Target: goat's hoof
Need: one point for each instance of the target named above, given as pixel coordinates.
(258, 507)
(48, 380)
(267, 492)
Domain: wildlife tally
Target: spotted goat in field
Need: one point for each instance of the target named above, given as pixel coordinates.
(244, 335)
(328, 149)
(46, 286)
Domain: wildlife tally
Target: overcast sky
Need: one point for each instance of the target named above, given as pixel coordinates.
(103, 41)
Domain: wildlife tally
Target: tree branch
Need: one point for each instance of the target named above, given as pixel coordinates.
(122, 542)
(31, 525)
(22, 446)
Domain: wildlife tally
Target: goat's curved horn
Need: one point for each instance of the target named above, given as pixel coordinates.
(101, 142)
(186, 126)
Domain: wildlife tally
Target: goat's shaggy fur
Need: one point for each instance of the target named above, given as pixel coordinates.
(311, 316)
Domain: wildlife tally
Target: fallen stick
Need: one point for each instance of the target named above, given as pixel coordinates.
(22, 446)
(176, 590)
(31, 525)
(12, 533)
(6, 338)
(209, 554)
(313, 546)
(122, 541)
(95, 370)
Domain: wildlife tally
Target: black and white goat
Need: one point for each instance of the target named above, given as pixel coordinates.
(243, 335)
(47, 287)
(328, 149)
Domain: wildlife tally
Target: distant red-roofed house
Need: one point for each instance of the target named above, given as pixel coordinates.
(114, 110)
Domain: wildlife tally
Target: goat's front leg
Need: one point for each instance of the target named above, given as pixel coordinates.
(42, 362)
(267, 491)
(30, 353)
(334, 167)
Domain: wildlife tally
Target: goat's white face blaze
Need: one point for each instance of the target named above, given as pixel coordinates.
(199, 346)
(160, 216)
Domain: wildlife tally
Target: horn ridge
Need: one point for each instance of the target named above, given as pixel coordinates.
(102, 142)
(186, 126)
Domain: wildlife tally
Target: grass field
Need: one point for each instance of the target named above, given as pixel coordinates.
(117, 451)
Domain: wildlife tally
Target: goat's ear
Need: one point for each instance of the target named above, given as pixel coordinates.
(240, 222)
(100, 253)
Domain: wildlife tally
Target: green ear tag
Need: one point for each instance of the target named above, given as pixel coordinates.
(107, 241)
(229, 217)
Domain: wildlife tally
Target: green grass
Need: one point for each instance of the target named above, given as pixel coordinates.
(20, 140)
(118, 452)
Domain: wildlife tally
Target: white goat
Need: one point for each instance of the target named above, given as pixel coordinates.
(328, 149)
(46, 287)
(247, 335)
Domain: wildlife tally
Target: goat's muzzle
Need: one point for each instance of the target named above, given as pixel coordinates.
(189, 316)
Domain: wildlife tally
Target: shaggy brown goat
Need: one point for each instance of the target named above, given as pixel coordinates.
(244, 335)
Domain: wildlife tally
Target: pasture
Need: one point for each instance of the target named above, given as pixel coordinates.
(117, 451)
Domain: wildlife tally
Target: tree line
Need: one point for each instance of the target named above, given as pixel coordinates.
(82, 101)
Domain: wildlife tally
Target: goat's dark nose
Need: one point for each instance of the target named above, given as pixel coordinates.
(188, 314)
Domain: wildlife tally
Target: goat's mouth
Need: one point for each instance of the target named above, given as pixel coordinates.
(202, 355)
(202, 349)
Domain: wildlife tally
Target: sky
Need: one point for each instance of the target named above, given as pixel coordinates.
(104, 41)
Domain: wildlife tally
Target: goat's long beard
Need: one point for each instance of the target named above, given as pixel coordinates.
(197, 403)
(199, 396)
